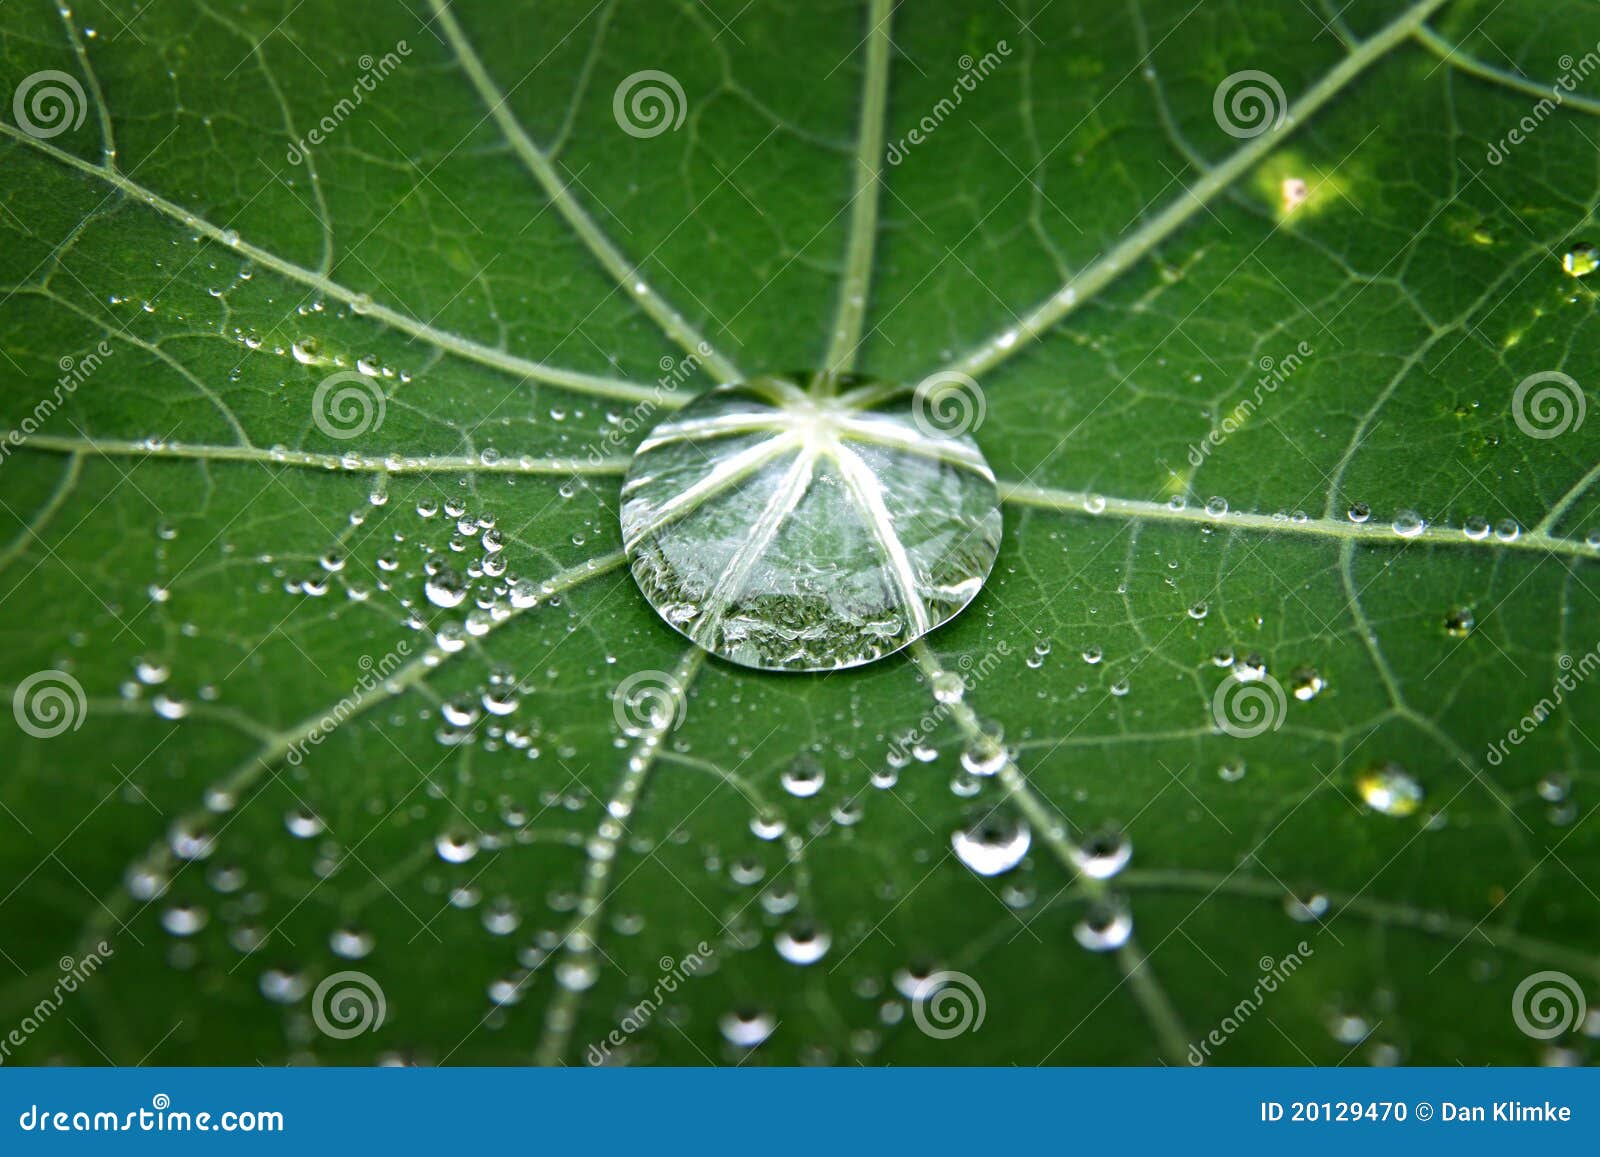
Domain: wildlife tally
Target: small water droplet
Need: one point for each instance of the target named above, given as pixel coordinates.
(803, 942)
(804, 777)
(993, 842)
(746, 1027)
(446, 588)
(456, 847)
(1408, 524)
(351, 943)
(1102, 854)
(1105, 927)
(1581, 260)
(1388, 788)
(948, 687)
(1307, 910)
(184, 919)
(1306, 684)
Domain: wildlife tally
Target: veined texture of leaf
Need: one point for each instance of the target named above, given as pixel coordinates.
(328, 334)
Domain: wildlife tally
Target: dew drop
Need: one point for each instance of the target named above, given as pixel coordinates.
(446, 588)
(169, 708)
(803, 943)
(1408, 524)
(1105, 927)
(303, 823)
(1306, 684)
(992, 843)
(948, 687)
(1308, 910)
(456, 847)
(783, 530)
(351, 943)
(578, 973)
(804, 777)
(746, 1027)
(184, 919)
(986, 754)
(1103, 854)
(281, 986)
(1388, 788)
(1554, 787)
(1581, 260)
(151, 672)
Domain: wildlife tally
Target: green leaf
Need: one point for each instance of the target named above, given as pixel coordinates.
(327, 332)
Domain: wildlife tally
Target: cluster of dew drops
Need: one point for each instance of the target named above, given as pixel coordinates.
(991, 842)
(466, 573)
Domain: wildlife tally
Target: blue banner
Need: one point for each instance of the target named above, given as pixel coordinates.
(793, 1110)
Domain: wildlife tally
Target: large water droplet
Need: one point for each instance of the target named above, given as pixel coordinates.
(783, 530)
